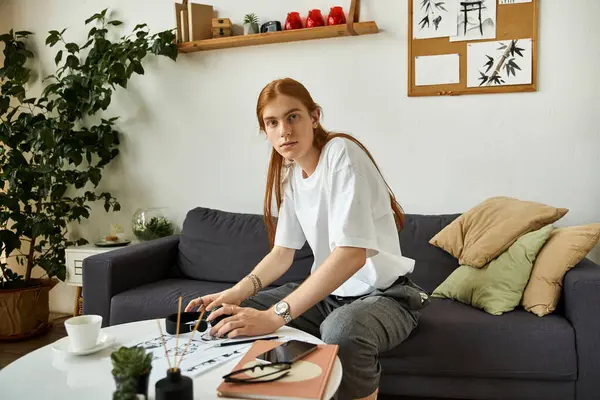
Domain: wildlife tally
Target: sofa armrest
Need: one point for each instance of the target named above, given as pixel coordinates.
(581, 289)
(113, 272)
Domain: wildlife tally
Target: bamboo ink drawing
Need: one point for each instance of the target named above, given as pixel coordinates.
(507, 62)
(434, 18)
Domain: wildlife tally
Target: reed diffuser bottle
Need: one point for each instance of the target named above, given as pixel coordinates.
(174, 386)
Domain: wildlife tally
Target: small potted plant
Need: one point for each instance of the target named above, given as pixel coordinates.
(251, 24)
(126, 391)
(131, 366)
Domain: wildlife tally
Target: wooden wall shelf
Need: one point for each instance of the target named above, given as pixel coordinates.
(361, 28)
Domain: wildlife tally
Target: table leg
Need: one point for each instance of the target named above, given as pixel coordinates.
(77, 297)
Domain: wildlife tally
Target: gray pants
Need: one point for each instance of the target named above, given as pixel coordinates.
(362, 327)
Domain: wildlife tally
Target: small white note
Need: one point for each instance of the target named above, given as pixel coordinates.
(437, 70)
(501, 2)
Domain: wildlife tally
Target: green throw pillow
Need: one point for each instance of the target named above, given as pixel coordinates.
(498, 286)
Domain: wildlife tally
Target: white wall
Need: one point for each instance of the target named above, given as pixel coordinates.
(190, 136)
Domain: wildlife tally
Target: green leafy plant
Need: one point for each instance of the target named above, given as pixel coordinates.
(126, 390)
(156, 228)
(55, 146)
(250, 18)
(131, 362)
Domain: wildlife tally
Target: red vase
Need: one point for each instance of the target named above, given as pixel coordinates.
(336, 16)
(293, 21)
(315, 18)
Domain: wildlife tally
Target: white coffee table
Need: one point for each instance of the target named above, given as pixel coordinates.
(47, 373)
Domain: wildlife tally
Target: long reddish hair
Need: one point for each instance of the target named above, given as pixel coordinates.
(291, 88)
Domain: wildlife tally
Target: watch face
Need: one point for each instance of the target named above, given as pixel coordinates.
(281, 307)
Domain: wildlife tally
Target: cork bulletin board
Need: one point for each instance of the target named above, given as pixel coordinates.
(458, 47)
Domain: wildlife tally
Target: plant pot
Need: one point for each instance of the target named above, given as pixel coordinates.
(25, 310)
(141, 383)
(251, 29)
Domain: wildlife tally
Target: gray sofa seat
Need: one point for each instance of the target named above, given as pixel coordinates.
(519, 345)
(158, 298)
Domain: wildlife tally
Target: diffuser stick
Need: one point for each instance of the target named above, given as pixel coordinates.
(190, 339)
(177, 335)
(162, 337)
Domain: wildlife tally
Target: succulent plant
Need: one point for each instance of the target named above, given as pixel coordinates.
(131, 362)
(126, 390)
(251, 19)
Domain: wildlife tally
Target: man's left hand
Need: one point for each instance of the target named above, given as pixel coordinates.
(244, 322)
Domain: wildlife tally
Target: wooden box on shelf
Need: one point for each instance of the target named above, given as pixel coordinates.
(221, 27)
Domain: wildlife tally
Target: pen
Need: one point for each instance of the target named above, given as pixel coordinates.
(245, 341)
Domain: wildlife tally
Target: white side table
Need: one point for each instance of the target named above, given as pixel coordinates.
(74, 258)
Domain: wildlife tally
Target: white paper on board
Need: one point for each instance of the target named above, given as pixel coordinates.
(501, 63)
(437, 70)
(434, 18)
(475, 20)
(502, 2)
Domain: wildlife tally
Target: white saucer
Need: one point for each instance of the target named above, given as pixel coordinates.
(63, 345)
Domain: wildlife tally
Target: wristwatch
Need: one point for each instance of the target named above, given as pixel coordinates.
(283, 309)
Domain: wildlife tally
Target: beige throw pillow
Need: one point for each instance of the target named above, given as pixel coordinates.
(563, 250)
(487, 230)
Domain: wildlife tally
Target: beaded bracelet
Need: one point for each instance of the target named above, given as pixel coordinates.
(256, 283)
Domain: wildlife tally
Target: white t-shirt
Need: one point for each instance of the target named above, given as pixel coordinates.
(343, 203)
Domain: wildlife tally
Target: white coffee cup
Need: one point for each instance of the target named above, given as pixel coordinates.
(83, 331)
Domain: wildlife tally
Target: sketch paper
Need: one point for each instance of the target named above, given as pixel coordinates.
(507, 62)
(434, 18)
(201, 355)
(475, 20)
(514, 1)
(437, 70)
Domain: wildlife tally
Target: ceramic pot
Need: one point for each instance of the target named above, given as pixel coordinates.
(251, 28)
(293, 21)
(315, 19)
(336, 16)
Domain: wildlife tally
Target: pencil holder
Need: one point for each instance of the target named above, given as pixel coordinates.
(174, 386)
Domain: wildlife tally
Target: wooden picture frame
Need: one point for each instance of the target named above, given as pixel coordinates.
(513, 21)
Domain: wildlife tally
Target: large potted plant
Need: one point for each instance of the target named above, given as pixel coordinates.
(52, 154)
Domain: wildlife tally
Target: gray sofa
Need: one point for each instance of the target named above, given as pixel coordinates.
(456, 351)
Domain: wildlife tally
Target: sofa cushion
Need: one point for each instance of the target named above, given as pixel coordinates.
(453, 339)
(221, 246)
(485, 231)
(158, 299)
(497, 287)
(433, 264)
(565, 249)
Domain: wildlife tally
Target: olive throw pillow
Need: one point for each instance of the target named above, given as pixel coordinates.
(484, 232)
(497, 287)
(565, 248)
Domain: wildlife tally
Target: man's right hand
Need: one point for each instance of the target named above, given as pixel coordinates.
(212, 301)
